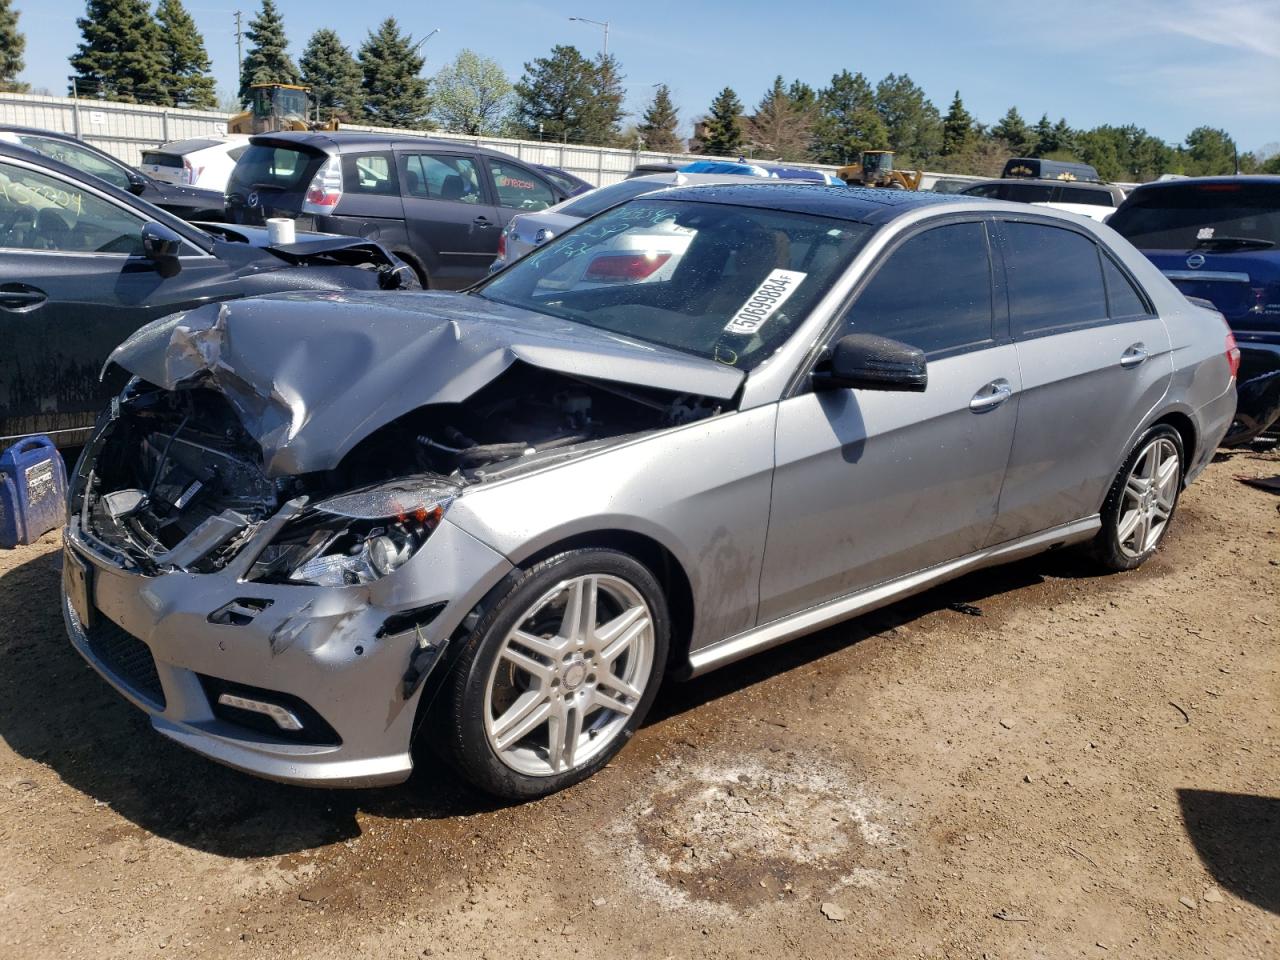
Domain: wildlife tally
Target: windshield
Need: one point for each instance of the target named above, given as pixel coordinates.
(724, 282)
(605, 197)
(1202, 217)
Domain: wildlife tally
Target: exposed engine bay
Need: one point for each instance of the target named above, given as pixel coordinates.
(175, 481)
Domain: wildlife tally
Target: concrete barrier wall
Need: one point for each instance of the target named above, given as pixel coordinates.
(126, 129)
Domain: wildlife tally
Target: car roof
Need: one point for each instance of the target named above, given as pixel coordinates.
(871, 205)
(1047, 182)
(1192, 183)
(346, 141)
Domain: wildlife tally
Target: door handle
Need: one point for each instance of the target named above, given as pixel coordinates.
(1133, 356)
(21, 296)
(482, 222)
(991, 396)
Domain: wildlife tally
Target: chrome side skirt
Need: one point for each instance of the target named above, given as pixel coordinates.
(771, 634)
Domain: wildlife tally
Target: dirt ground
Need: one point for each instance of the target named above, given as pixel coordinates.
(1089, 768)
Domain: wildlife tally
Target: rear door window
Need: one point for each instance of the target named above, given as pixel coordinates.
(370, 173)
(1221, 217)
(933, 292)
(1054, 279)
(442, 176)
(518, 188)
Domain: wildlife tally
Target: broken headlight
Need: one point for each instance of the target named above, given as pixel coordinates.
(357, 537)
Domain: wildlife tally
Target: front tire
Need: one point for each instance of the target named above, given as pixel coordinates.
(1142, 500)
(558, 674)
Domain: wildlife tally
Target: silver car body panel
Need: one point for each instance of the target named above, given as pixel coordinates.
(787, 511)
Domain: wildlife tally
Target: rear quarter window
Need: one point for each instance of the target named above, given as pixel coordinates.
(1054, 279)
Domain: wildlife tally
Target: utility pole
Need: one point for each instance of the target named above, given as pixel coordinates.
(239, 50)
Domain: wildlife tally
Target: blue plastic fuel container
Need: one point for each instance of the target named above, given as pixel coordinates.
(33, 491)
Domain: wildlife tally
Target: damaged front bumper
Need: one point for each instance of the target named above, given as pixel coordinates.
(344, 665)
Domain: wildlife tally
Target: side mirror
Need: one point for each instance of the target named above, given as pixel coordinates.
(160, 245)
(868, 362)
(136, 183)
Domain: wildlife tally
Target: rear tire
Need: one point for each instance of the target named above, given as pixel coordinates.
(557, 675)
(1142, 500)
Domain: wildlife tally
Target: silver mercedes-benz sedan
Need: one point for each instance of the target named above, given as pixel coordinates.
(317, 527)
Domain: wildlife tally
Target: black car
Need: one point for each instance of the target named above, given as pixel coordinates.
(1036, 168)
(83, 265)
(1029, 190)
(188, 203)
(1218, 239)
(440, 205)
(566, 181)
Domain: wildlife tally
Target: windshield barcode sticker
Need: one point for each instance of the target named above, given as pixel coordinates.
(764, 303)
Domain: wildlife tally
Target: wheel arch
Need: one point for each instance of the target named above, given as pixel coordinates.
(1186, 429)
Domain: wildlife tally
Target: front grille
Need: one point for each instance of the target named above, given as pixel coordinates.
(128, 659)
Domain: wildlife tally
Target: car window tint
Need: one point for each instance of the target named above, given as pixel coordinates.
(83, 160)
(933, 292)
(1055, 280)
(984, 190)
(1099, 198)
(275, 168)
(1027, 192)
(1213, 216)
(39, 212)
(1123, 299)
(517, 187)
(441, 176)
(367, 173)
(235, 153)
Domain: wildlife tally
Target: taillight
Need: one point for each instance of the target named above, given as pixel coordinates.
(502, 245)
(1233, 355)
(325, 190)
(622, 267)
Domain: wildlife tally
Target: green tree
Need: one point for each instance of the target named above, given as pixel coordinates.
(1208, 152)
(913, 122)
(121, 55)
(551, 97)
(1064, 140)
(12, 45)
(186, 75)
(658, 125)
(1016, 132)
(1124, 153)
(395, 92)
(779, 129)
(267, 60)
(1044, 141)
(957, 128)
(722, 134)
(804, 97)
(333, 75)
(602, 113)
(848, 122)
(471, 95)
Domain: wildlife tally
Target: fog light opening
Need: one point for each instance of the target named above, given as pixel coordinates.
(285, 718)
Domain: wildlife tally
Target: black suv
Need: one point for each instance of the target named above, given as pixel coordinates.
(439, 205)
(1031, 190)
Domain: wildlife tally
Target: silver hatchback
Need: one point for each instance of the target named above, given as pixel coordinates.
(317, 526)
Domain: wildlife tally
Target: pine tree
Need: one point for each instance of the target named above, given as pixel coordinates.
(329, 69)
(1014, 131)
(957, 128)
(603, 110)
(395, 92)
(779, 128)
(1044, 142)
(722, 130)
(552, 95)
(471, 95)
(186, 75)
(1064, 137)
(121, 55)
(1208, 152)
(12, 45)
(913, 122)
(848, 122)
(267, 60)
(804, 97)
(658, 124)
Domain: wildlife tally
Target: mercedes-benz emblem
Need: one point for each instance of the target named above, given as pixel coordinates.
(1195, 261)
(253, 202)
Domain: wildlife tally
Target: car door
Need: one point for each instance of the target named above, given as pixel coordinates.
(1095, 360)
(453, 226)
(868, 485)
(371, 204)
(517, 189)
(73, 285)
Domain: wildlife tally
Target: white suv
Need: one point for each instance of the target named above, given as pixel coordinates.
(204, 162)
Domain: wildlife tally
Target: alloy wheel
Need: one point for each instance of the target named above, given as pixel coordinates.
(569, 675)
(1147, 501)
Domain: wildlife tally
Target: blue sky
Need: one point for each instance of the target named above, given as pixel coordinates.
(1168, 65)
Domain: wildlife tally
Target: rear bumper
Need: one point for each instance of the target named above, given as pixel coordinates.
(1212, 422)
(152, 639)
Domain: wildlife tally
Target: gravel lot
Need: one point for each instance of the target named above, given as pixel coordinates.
(1089, 768)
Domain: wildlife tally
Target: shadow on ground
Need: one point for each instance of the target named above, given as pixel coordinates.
(56, 711)
(1237, 836)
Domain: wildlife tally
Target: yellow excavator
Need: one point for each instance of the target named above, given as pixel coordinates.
(278, 106)
(876, 170)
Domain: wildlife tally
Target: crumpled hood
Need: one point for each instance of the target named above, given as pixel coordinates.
(312, 374)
